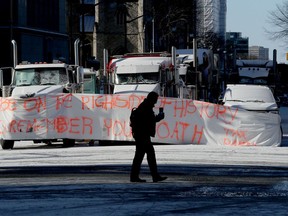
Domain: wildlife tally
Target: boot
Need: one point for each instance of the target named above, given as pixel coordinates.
(134, 179)
(159, 178)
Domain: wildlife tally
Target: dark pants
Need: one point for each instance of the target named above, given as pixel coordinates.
(144, 145)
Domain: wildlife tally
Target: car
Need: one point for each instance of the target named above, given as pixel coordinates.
(257, 98)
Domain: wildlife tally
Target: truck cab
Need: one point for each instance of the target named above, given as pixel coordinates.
(26, 80)
(31, 80)
(142, 73)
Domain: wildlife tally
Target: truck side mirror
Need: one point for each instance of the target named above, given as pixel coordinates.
(80, 78)
(79, 75)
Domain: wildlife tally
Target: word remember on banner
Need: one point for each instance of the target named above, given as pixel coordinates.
(106, 117)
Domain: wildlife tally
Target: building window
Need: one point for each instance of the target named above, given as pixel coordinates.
(43, 14)
(120, 18)
(121, 12)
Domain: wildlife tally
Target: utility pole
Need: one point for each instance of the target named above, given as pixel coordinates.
(153, 35)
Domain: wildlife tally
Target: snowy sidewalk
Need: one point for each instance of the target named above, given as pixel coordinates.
(29, 154)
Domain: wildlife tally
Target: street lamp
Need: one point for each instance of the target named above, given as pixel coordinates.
(223, 55)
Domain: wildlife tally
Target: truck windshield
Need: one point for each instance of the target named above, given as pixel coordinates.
(148, 78)
(40, 76)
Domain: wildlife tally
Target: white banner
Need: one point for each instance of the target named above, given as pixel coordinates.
(106, 117)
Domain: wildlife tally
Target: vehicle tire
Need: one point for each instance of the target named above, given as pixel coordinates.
(68, 142)
(48, 142)
(104, 143)
(7, 144)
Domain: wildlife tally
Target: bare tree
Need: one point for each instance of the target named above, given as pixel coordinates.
(174, 21)
(278, 18)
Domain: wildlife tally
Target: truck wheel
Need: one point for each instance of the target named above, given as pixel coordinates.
(68, 142)
(7, 144)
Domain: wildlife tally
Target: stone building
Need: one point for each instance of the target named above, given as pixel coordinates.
(123, 26)
(142, 26)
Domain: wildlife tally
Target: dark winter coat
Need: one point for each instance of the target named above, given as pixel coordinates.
(146, 120)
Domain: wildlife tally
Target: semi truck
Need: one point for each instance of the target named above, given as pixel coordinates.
(142, 73)
(259, 72)
(37, 79)
(199, 72)
(255, 71)
(146, 72)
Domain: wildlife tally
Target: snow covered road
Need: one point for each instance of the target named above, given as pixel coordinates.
(29, 154)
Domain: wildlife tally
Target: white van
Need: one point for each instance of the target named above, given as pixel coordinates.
(250, 97)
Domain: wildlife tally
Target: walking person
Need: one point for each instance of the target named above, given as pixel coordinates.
(142, 130)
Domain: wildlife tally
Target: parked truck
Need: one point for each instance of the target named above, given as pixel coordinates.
(199, 72)
(146, 72)
(143, 72)
(37, 79)
(255, 71)
(259, 72)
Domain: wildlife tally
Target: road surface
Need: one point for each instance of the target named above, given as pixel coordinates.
(94, 180)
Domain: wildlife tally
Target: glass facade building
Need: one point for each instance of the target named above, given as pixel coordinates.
(38, 27)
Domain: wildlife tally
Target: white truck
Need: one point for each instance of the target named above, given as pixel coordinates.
(146, 72)
(201, 78)
(142, 73)
(258, 72)
(32, 80)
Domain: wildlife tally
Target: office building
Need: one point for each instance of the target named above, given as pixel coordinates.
(258, 52)
(41, 28)
(237, 45)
